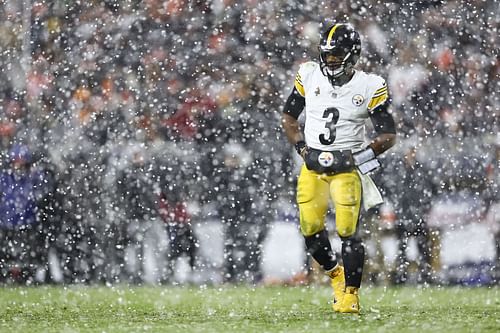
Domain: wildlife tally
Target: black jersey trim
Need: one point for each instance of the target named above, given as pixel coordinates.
(382, 120)
(294, 104)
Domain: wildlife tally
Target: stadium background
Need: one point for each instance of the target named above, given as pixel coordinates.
(185, 89)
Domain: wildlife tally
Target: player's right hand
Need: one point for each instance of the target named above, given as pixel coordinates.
(302, 149)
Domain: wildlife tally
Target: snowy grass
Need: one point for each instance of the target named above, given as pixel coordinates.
(244, 309)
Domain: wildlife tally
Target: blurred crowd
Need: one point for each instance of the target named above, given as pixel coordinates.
(117, 116)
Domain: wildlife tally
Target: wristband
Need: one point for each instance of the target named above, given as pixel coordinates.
(363, 156)
(368, 166)
(365, 160)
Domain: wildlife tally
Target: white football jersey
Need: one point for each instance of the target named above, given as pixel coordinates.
(335, 116)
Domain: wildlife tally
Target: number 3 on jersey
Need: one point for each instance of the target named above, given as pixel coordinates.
(330, 125)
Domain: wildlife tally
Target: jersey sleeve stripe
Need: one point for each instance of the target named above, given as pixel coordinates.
(376, 101)
(299, 78)
(300, 88)
(381, 90)
(380, 93)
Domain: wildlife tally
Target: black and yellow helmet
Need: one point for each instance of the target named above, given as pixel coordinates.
(339, 50)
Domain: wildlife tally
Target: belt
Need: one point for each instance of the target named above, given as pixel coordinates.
(329, 162)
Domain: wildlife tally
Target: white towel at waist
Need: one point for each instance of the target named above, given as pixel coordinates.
(371, 194)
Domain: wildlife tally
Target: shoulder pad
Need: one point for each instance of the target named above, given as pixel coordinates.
(376, 81)
(305, 69)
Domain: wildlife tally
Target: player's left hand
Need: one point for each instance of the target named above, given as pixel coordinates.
(365, 160)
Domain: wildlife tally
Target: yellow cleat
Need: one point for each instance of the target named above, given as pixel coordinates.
(337, 280)
(350, 301)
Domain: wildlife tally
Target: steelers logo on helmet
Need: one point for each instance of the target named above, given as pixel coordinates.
(358, 100)
(325, 159)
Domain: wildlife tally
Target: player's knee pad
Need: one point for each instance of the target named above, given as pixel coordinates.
(312, 215)
(311, 222)
(346, 225)
(347, 219)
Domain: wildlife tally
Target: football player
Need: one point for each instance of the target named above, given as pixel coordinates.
(337, 100)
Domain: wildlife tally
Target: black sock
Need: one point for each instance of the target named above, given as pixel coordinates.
(318, 245)
(353, 257)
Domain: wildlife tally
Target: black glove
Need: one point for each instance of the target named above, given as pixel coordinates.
(365, 160)
(301, 148)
